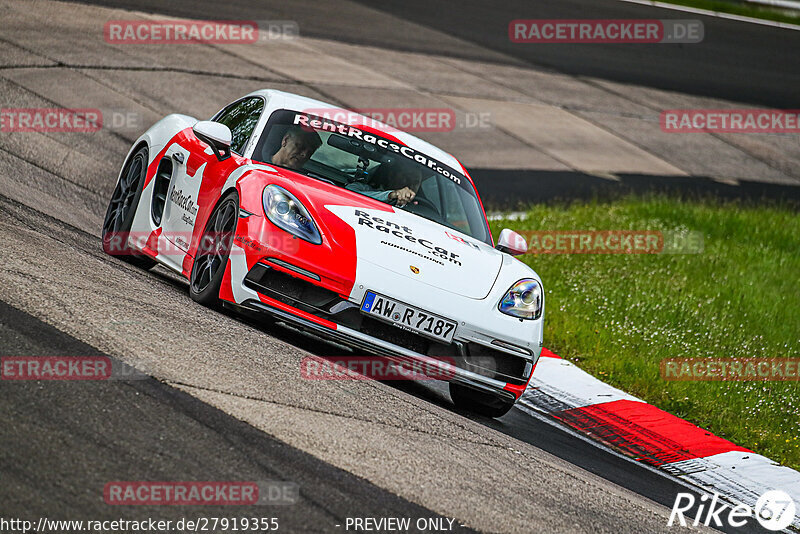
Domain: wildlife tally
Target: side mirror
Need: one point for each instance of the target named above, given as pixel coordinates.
(216, 135)
(512, 243)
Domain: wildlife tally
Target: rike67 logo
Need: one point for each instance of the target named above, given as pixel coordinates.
(774, 510)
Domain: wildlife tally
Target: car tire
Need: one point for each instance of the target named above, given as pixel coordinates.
(213, 251)
(478, 402)
(121, 210)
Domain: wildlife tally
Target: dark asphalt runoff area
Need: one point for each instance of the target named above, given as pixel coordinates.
(63, 441)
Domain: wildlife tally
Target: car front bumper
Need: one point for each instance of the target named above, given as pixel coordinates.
(293, 296)
(400, 355)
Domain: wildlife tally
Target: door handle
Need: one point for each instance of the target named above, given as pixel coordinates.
(178, 157)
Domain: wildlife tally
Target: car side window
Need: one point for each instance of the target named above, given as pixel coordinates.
(241, 117)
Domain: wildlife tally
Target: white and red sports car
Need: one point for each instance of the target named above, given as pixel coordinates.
(339, 225)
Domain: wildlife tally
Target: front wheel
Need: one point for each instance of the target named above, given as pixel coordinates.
(213, 251)
(478, 402)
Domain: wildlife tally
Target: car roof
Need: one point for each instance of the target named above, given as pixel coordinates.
(299, 103)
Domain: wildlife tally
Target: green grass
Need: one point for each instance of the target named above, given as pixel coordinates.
(742, 8)
(618, 315)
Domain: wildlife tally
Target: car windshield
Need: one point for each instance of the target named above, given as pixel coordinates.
(374, 166)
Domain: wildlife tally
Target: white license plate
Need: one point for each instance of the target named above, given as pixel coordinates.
(408, 317)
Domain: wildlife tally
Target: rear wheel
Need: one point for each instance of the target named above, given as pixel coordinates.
(213, 251)
(121, 209)
(479, 402)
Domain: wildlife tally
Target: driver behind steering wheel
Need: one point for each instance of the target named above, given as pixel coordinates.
(396, 183)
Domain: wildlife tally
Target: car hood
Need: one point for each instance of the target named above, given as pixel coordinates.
(422, 251)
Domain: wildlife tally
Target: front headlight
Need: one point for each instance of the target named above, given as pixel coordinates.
(523, 300)
(287, 213)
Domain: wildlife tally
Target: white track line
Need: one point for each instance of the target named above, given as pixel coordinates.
(739, 18)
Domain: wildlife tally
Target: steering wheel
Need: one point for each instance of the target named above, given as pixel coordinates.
(421, 202)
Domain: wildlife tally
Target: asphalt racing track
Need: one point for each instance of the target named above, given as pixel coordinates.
(225, 400)
(741, 62)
